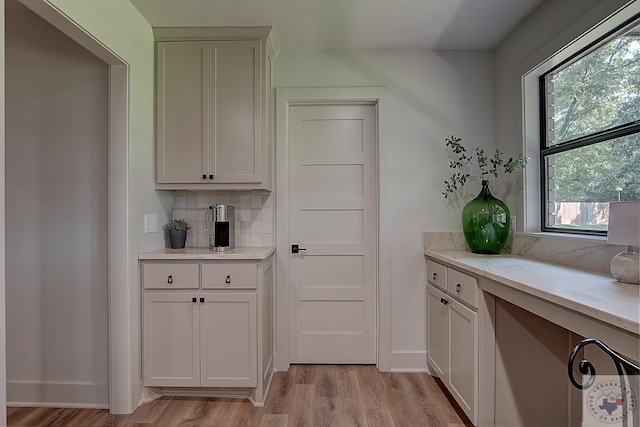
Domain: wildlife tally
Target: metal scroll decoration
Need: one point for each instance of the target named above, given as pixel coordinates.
(585, 367)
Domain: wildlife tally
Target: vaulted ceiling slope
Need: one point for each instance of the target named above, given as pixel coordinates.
(353, 24)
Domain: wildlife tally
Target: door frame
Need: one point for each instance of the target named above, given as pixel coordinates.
(286, 98)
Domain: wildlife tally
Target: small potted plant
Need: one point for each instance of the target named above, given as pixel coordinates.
(177, 229)
(485, 219)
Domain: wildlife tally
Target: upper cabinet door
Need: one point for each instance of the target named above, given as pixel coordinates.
(236, 138)
(183, 87)
(212, 111)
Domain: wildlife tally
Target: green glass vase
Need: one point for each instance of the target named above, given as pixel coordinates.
(485, 223)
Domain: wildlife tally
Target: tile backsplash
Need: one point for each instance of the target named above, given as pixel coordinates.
(254, 212)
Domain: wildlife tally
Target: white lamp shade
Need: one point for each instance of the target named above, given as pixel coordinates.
(624, 223)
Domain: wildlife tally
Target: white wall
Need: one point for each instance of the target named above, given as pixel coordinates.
(548, 29)
(431, 95)
(56, 217)
(116, 32)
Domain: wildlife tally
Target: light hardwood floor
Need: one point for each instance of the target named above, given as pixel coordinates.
(306, 395)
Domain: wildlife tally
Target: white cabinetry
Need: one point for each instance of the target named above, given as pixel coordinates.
(171, 339)
(213, 100)
(452, 333)
(207, 324)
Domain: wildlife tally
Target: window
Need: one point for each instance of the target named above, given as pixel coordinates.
(590, 133)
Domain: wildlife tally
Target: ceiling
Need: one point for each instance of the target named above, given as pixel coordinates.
(353, 24)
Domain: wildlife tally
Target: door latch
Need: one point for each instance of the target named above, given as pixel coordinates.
(296, 249)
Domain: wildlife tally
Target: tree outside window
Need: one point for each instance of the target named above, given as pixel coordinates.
(590, 129)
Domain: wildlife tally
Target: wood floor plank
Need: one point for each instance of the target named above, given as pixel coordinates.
(379, 418)
(420, 399)
(301, 405)
(327, 386)
(370, 387)
(148, 413)
(306, 374)
(305, 396)
(326, 412)
(274, 420)
(280, 392)
(175, 411)
(401, 409)
(222, 413)
(449, 412)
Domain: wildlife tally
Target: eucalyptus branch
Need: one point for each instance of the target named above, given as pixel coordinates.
(483, 165)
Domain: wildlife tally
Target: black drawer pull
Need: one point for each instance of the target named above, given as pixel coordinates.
(228, 280)
(458, 287)
(170, 279)
(434, 276)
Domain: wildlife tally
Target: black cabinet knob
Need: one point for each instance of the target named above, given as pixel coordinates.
(194, 299)
(204, 176)
(211, 176)
(227, 280)
(201, 299)
(170, 279)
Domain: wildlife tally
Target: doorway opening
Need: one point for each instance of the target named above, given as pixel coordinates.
(66, 176)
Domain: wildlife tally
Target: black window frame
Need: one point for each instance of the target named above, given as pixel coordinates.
(578, 142)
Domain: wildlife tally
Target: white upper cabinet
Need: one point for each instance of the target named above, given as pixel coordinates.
(213, 109)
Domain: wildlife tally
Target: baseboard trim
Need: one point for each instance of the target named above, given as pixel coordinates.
(408, 361)
(55, 394)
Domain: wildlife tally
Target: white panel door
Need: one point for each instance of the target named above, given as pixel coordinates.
(333, 217)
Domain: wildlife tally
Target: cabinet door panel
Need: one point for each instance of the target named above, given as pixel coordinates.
(236, 114)
(171, 335)
(228, 339)
(438, 333)
(182, 111)
(463, 356)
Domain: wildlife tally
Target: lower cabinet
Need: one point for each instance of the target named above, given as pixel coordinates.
(452, 335)
(205, 339)
(210, 330)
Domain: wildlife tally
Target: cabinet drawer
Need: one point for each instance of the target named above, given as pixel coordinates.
(165, 276)
(437, 274)
(463, 286)
(230, 276)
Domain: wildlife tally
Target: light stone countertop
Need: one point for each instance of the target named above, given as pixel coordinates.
(257, 253)
(595, 295)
